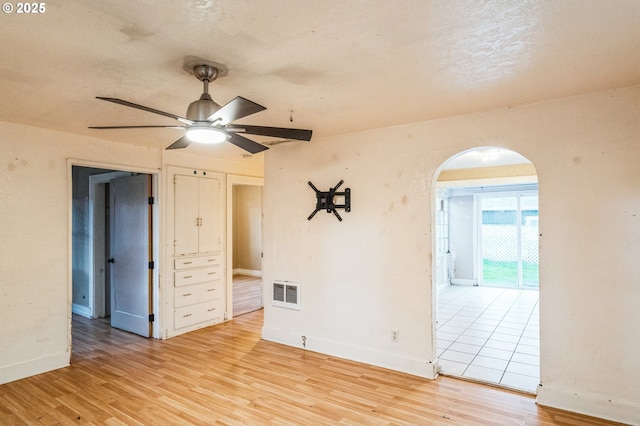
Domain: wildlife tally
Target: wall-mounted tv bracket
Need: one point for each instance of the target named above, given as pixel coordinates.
(324, 200)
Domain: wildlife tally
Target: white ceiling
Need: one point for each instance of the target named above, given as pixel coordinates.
(340, 66)
(485, 157)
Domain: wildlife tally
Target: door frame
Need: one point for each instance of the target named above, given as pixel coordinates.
(156, 183)
(234, 180)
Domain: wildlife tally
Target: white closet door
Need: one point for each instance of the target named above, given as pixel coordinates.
(186, 217)
(210, 197)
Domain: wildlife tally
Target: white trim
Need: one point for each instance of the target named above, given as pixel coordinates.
(462, 281)
(32, 367)
(392, 361)
(602, 407)
(83, 311)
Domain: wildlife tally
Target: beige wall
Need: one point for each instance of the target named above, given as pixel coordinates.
(372, 272)
(35, 230)
(247, 232)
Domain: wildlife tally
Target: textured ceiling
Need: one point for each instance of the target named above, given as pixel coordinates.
(331, 66)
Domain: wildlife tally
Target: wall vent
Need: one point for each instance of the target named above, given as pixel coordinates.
(286, 295)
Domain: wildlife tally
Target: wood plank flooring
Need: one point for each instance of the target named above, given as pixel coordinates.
(226, 375)
(247, 294)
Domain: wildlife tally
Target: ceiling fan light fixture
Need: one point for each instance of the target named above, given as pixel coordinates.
(206, 135)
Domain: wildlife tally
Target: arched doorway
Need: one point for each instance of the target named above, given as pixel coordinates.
(486, 268)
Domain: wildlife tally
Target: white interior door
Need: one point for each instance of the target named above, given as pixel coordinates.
(131, 254)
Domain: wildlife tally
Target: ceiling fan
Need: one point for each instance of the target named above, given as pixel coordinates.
(207, 122)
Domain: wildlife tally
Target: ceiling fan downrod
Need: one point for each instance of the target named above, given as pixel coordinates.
(204, 107)
(206, 74)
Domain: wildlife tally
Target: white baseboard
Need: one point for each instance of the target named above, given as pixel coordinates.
(369, 356)
(81, 310)
(250, 272)
(462, 281)
(589, 405)
(30, 368)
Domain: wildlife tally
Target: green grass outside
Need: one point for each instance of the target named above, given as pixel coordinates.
(506, 273)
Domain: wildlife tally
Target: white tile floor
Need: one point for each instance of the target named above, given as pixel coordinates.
(490, 335)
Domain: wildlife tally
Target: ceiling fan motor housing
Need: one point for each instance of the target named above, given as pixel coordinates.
(202, 109)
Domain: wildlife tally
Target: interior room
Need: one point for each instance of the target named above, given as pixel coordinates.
(337, 186)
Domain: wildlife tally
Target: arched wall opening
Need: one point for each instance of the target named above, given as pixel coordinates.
(486, 262)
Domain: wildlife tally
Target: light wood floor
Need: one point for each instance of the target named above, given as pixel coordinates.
(247, 294)
(226, 375)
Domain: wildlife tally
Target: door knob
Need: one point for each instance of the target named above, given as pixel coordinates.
(111, 260)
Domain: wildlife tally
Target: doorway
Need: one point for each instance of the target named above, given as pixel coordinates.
(244, 244)
(107, 205)
(485, 281)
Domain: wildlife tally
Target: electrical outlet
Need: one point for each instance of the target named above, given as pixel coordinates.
(395, 335)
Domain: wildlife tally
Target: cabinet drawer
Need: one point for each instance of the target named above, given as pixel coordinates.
(201, 312)
(211, 291)
(192, 294)
(196, 262)
(185, 317)
(213, 309)
(185, 296)
(194, 276)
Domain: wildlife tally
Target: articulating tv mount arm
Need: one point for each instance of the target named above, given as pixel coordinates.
(324, 200)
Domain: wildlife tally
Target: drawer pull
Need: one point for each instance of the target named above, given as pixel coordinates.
(186, 316)
(211, 273)
(211, 289)
(211, 260)
(187, 276)
(212, 309)
(186, 294)
(187, 263)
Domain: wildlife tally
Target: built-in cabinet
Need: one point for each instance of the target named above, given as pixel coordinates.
(197, 296)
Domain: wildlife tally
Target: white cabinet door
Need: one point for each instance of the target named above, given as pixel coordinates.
(198, 214)
(210, 203)
(186, 214)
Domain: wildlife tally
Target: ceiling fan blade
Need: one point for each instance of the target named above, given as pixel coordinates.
(246, 144)
(234, 110)
(137, 127)
(144, 108)
(277, 132)
(183, 142)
